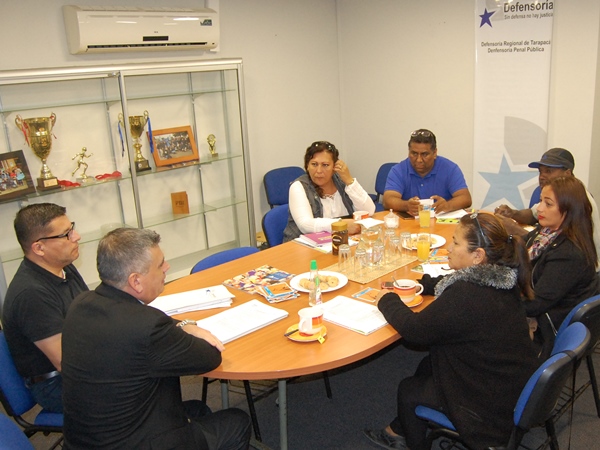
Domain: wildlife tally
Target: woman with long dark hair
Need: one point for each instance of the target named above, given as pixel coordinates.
(324, 194)
(563, 255)
(476, 331)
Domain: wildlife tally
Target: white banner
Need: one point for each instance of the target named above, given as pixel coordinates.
(512, 82)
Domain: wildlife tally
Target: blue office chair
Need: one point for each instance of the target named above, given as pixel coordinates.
(274, 223)
(277, 184)
(17, 400)
(223, 257)
(380, 181)
(535, 196)
(11, 436)
(536, 402)
(588, 314)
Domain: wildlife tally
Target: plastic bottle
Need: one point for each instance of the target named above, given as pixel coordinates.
(314, 295)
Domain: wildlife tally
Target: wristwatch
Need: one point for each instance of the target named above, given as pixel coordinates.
(185, 322)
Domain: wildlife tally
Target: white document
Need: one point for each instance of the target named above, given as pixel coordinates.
(241, 320)
(457, 214)
(353, 314)
(196, 300)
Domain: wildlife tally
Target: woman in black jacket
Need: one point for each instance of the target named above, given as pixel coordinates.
(563, 255)
(480, 353)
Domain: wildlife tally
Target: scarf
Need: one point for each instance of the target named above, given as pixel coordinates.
(544, 238)
(492, 275)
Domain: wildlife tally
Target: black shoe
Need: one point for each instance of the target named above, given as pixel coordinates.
(385, 440)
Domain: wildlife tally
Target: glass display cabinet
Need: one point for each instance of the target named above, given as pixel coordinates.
(113, 143)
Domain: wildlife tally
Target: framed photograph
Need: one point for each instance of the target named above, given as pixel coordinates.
(174, 146)
(15, 179)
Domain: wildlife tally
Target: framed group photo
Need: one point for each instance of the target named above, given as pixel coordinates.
(15, 179)
(174, 146)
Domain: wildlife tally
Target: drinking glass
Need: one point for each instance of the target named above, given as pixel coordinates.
(344, 260)
(407, 244)
(378, 254)
(360, 262)
(425, 213)
(396, 244)
(423, 246)
(389, 246)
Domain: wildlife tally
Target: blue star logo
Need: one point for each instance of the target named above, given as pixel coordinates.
(505, 185)
(485, 18)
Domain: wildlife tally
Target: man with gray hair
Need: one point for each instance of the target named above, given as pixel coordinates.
(122, 360)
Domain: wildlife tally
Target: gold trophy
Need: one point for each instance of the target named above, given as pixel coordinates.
(136, 126)
(38, 135)
(212, 141)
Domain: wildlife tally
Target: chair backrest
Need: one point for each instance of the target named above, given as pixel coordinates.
(11, 436)
(277, 184)
(535, 196)
(222, 258)
(574, 338)
(14, 395)
(274, 223)
(588, 313)
(540, 395)
(381, 179)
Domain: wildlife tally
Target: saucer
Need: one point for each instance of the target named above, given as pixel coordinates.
(298, 337)
(415, 302)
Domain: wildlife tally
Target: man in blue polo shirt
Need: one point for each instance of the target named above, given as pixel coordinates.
(425, 175)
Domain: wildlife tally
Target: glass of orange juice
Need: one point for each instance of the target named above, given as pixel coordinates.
(423, 246)
(425, 207)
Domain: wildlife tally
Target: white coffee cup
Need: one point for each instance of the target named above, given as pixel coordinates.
(310, 320)
(359, 215)
(407, 289)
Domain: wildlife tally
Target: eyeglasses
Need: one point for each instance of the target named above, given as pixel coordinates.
(327, 145)
(483, 236)
(423, 133)
(68, 234)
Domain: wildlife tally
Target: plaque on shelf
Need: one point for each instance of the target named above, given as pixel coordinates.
(180, 202)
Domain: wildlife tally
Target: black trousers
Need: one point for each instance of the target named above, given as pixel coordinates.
(413, 391)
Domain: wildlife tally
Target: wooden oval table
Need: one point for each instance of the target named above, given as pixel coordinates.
(266, 354)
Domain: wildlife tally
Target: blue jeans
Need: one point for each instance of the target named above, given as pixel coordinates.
(48, 394)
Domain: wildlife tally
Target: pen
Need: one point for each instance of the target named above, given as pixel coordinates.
(289, 333)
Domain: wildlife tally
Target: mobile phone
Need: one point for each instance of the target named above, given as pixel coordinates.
(405, 215)
(387, 285)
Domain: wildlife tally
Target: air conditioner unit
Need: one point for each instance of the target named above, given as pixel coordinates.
(114, 29)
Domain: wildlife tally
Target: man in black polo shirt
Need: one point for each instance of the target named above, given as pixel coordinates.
(38, 298)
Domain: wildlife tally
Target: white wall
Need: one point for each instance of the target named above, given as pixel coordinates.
(573, 96)
(362, 74)
(406, 65)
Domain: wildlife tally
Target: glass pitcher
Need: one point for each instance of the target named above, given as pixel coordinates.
(368, 237)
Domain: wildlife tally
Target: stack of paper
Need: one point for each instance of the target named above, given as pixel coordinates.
(241, 320)
(316, 239)
(450, 217)
(263, 276)
(353, 314)
(196, 300)
(277, 292)
(325, 248)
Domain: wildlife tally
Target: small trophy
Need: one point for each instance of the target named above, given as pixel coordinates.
(81, 164)
(38, 135)
(212, 141)
(136, 126)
